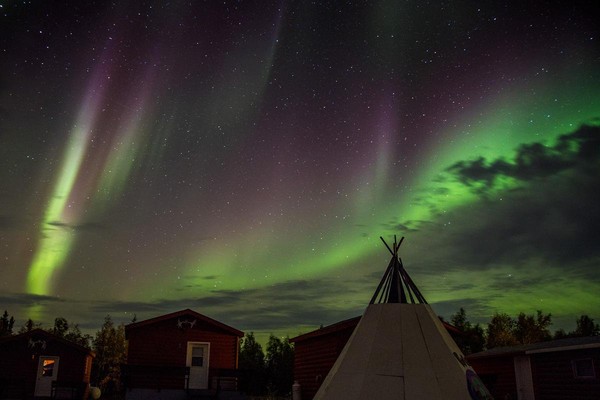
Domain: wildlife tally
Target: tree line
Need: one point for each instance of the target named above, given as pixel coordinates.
(504, 330)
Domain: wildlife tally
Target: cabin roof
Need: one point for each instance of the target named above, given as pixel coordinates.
(574, 343)
(186, 312)
(47, 336)
(338, 326)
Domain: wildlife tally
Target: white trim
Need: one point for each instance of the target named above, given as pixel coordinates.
(524, 378)
(43, 385)
(565, 348)
(206, 361)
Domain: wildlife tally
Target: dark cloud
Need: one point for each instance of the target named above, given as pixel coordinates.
(276, 307)
(534, 160)
(552, 218)
(27, 299)
(404, 227)
(86, 226)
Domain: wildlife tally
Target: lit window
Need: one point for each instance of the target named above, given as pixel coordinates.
(583, 368)
(48, 367)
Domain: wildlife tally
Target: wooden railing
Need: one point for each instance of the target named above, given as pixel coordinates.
(174, 377)
(68, 390)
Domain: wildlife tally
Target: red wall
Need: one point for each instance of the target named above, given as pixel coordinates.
(314, 357)
(552, 374)
(163, 345)
(18, 363)
(498, 375)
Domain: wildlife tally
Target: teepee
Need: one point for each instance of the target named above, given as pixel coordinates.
(400, 350)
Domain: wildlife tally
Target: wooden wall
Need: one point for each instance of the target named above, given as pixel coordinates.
(498, 375)
(162, 348)
(315, 356)
(553, 375)
(19, 364)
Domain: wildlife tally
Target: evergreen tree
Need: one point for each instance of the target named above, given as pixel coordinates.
(29, 326)
(473, 338)
(61, 326)
(280, 366)
(252, 364)
(6, 324)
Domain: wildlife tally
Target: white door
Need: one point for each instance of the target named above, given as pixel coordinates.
(524, 378)
(197, 360)
(46, 373)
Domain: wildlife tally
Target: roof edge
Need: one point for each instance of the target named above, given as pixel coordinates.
(564, 348)
(160, 318)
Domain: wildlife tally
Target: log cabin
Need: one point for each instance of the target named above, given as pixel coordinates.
(173, 355)
(553, 370)
(38, 364)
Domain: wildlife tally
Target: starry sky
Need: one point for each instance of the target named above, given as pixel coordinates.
(242, 158)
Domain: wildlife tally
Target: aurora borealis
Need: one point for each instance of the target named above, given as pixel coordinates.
(243, 158)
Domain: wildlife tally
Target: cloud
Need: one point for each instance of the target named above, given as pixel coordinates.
(535, 160)
(28, 299)
(551, 217)
(275, 307)
(86, 226)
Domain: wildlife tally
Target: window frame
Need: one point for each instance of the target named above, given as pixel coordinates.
(576, 375)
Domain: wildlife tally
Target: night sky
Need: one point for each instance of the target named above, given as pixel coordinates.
(242, 158)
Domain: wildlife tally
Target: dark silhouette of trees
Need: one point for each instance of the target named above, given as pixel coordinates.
(525, 329)
(500, 331)
(533, 329)
(111, 351)
(473, 338)
(586, 327)
(266, 374)
(252, 365)
(6, 324)
(61, 326)
(63, 329)
(29, 326)
(280, 366)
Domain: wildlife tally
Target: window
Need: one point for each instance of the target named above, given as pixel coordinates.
(48, 367)
(583, 368)
(197, 356)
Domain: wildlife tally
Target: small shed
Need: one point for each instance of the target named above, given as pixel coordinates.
(40, 364)
(174, 354)
(315, 353)
(554, 370)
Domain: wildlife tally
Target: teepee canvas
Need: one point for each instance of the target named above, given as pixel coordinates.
(400, 350)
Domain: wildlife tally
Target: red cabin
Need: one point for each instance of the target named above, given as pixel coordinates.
(171, 355)
(554, 370)
(40, 364)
